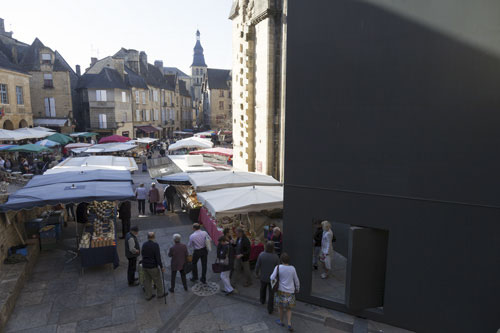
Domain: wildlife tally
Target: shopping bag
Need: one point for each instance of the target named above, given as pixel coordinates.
(188, 267)
(275, 283)
(208, 243)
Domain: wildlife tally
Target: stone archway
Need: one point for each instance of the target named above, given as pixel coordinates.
(8, 125)
(23, 123)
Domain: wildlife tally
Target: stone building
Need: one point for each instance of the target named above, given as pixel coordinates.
(259, 59)
(52, 81)
(15, 101)
(216, 95)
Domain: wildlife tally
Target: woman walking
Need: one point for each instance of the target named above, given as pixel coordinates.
(225, 255)
(141, 194)
(288, 285)
(326, 248)
(154, 198)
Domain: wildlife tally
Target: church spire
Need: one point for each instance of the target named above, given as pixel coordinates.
(198, 57)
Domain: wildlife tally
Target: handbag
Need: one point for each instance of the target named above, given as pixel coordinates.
(217, 267)
(275, 283)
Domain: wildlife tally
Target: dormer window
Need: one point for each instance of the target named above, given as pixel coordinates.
(46, 58)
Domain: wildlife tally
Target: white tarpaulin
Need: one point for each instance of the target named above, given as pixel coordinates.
(209, 181)
(192, 142)
(242, 200)
(104, 148)
(142, 140)
(7, 135)
(95, 163)
(31, 133)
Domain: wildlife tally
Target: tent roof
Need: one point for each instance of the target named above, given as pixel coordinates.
(64, 193)
(192, 142)
(214, 151)
(80, 176)
(29, 148)
(242, 200)
(208, 181)
(31, 133)
(95, 162)
(181, 178)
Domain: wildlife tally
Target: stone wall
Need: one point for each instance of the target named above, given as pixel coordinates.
(220, 119)
(61, 92)
(14, 113)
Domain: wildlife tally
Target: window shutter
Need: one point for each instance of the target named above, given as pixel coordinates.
(124, 97)
(137, 97)
(52, 107)
(102, 121)
(103, 95)
(47, 107)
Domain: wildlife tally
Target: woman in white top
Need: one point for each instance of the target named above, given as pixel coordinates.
(326, 248)
(289, 285)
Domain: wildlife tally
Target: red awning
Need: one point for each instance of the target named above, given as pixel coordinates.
(148, 129)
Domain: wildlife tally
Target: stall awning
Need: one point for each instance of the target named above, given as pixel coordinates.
(80, 176)
(209, 181)
(148, 129)
(64, 193)
(54, 122)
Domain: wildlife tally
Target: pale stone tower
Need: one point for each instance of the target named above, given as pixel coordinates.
(198, 68)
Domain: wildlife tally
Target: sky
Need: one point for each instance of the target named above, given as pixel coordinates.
(164, 29)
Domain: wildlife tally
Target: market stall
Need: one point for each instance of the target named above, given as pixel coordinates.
(94, 163)
(239, 206)
(218, 157)
(191, 143)
(209, 181)
(114, 138)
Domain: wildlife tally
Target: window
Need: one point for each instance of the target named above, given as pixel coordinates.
(124, 97)
(47, 81)
(221, 93)
(148, 115)
(143, 97)
(100, 95)
(157, 115)
(4, 99)
(197, 71)
(19, 95)
(221, 105)
(150, 95)
(137, 97)
(50, 107)
(124, 117)
(102, 121)
(138, 115)
(46, 58)
(155, 95)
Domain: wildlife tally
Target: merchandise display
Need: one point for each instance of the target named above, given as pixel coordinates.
(188, 195)
(100, 230)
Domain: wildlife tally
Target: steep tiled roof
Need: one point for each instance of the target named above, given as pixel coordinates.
(218, 78)
(170, 80)
(108, 78)
(174, 70)
(31, 58)
(134, 80)
(5, 63)
(182, 89)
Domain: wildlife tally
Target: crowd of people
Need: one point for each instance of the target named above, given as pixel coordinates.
(278, 279)
(26, 163)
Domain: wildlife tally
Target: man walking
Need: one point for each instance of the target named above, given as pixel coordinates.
(264, 267)
(125, 214)
(132, 251)
(154, 198)
(197, 242)
(179, 254)
(151, 263)
(169, 195)
(242, 251)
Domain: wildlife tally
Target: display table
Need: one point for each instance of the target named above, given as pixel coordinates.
(210, 225)
(96, 256)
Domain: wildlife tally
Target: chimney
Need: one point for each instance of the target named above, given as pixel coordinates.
(93, 61)
(143, 57)
(159, 65)
(78, 70)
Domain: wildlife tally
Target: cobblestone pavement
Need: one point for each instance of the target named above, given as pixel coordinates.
(59, 298)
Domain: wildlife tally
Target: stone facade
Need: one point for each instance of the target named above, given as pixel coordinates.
(217, 99)
(259, 33)
(15, 115)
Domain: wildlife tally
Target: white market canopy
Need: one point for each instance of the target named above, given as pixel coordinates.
(104, 148)
(7, 135)
(189, 163)
(31, 133)
(94, 163)
(209, 181)
(40, 128)
(192, 142)
(242, 200)
(142, 140)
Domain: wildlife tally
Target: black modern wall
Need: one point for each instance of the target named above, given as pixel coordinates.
(392, 122)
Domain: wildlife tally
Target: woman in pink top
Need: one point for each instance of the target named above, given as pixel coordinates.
(154, 198)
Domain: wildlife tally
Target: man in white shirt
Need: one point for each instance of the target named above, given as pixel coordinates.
(197, 242)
